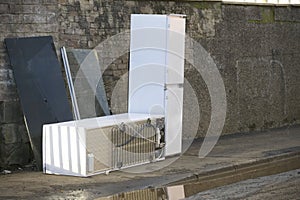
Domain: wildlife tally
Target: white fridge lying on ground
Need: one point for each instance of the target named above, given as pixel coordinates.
(152, 128)
(100, 145)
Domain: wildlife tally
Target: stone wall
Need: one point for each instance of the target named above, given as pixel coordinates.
(19, 18)
(256, 49)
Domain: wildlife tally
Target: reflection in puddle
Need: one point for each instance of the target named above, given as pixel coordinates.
(75, 194)
(168, 193)
(278, 186)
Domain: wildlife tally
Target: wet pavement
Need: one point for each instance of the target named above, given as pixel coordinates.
(285, 185)
(235, 158)
(276, 187)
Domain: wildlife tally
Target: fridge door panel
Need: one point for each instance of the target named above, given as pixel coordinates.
(147, 99)
(175, 47)
(139, 21)
(173, 117)
(147, 57)
(148, 37)
(147, 64)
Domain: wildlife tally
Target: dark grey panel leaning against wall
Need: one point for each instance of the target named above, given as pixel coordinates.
(40, 86)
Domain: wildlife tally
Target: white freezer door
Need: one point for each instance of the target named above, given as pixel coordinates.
(174, 84)
(173, 119)
(147, 64)
(175, 47)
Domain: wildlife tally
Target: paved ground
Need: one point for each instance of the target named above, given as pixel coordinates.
(276, 187)
(232, 154)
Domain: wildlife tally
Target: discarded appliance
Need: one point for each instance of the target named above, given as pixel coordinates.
(156, 72)
(152, 128)
(40, 86)
(98, 145)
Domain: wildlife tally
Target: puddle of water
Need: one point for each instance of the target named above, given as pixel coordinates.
(166, 193)
(234, 190)
(76, 194)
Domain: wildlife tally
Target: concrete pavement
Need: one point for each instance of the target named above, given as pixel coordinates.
(281, 186)
(234, 158)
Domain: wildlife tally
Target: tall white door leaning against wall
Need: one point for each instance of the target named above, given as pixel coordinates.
(156, 72)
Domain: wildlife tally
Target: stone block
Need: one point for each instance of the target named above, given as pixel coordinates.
(53, 2)
(260, 93)
(287, 14)
(17, 154)
(13, 8)
(8, 91)
(6, 18)
(35, 18)
(51, 18)
(30, 2)
(252, 13)
(45, 28)
(233, 13)
(10, 112)
(10, 133)
(4, 8)
(1, 112)
(12, 1)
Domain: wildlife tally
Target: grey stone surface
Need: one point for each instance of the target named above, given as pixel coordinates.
(14, 145)
(287, 14)
(19, 19)
(10, 112)
(252, 13)
(10, 133)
